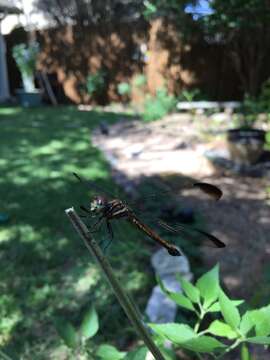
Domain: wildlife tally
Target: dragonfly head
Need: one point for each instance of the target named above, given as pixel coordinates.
(97, 205)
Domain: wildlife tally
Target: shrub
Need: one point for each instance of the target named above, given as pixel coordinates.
(190, 95)
(123, 89)
(264, 97)
(26, 58)
(155, 107)
(95, 83)
(139, 80)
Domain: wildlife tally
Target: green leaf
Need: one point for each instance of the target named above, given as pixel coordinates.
(108, 352)
(208, 285)
(190, 290)
(222, 329)
(161, 285)
(181, 300)
(138, 354)
(89, 326)
(67, 332)
(261, 319)
(246, 323)
(263, 340)
(216, 307)
(202, 344)
(229, 310)
(244, 352)
(177, 333)
(177, 297)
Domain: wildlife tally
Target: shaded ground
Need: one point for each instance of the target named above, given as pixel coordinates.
(175, 146)
(173, 149)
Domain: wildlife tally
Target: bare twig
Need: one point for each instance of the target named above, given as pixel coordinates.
(122, 297)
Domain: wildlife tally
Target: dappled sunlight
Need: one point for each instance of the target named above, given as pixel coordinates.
(51, 148)
(10, 110)
(85, 281)
(9, 318)
(46, 268)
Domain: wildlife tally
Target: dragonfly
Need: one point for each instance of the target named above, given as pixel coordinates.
(107, 209)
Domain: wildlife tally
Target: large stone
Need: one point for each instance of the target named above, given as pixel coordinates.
(160, 309)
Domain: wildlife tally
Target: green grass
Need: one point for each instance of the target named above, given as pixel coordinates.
(46, 271)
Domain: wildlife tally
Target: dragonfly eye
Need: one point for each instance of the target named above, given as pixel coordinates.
(97, 205)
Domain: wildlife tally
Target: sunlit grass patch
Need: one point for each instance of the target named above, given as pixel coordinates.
(10, 110)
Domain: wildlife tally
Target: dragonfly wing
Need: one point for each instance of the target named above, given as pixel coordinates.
(218, 243)
(213, 191)
(162, 195)
(84, 209)
(91, 185)
(181, 229)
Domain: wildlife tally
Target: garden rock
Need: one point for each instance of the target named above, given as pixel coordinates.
(160, 308)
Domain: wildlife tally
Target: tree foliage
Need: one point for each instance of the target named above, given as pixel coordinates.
(243, 26)
(86, 12)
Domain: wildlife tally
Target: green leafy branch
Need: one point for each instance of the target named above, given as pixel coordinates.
(207, 297)
(78, 340)
(204, 298)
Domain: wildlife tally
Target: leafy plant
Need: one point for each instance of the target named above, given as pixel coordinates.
(88, 328)
(95, 83)
(124, 88)
(228, 330)
(252, 106)
(189, 95)
(150, 9)
(26, 57)
(264, 97)
(248, 113)
(155, 107)
(207, 298)
(139, 80)
(77, 340)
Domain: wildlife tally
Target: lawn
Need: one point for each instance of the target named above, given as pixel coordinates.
(46, 271)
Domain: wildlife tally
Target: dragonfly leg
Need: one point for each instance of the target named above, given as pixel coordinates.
(94, 227)
(83, 208)
(110, 231)
(82, 216)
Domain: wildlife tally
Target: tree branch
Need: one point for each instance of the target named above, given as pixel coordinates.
(122, 297)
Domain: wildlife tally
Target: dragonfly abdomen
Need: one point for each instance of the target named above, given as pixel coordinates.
(172, 249)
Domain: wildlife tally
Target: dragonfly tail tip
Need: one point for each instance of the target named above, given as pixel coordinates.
(174, 251)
